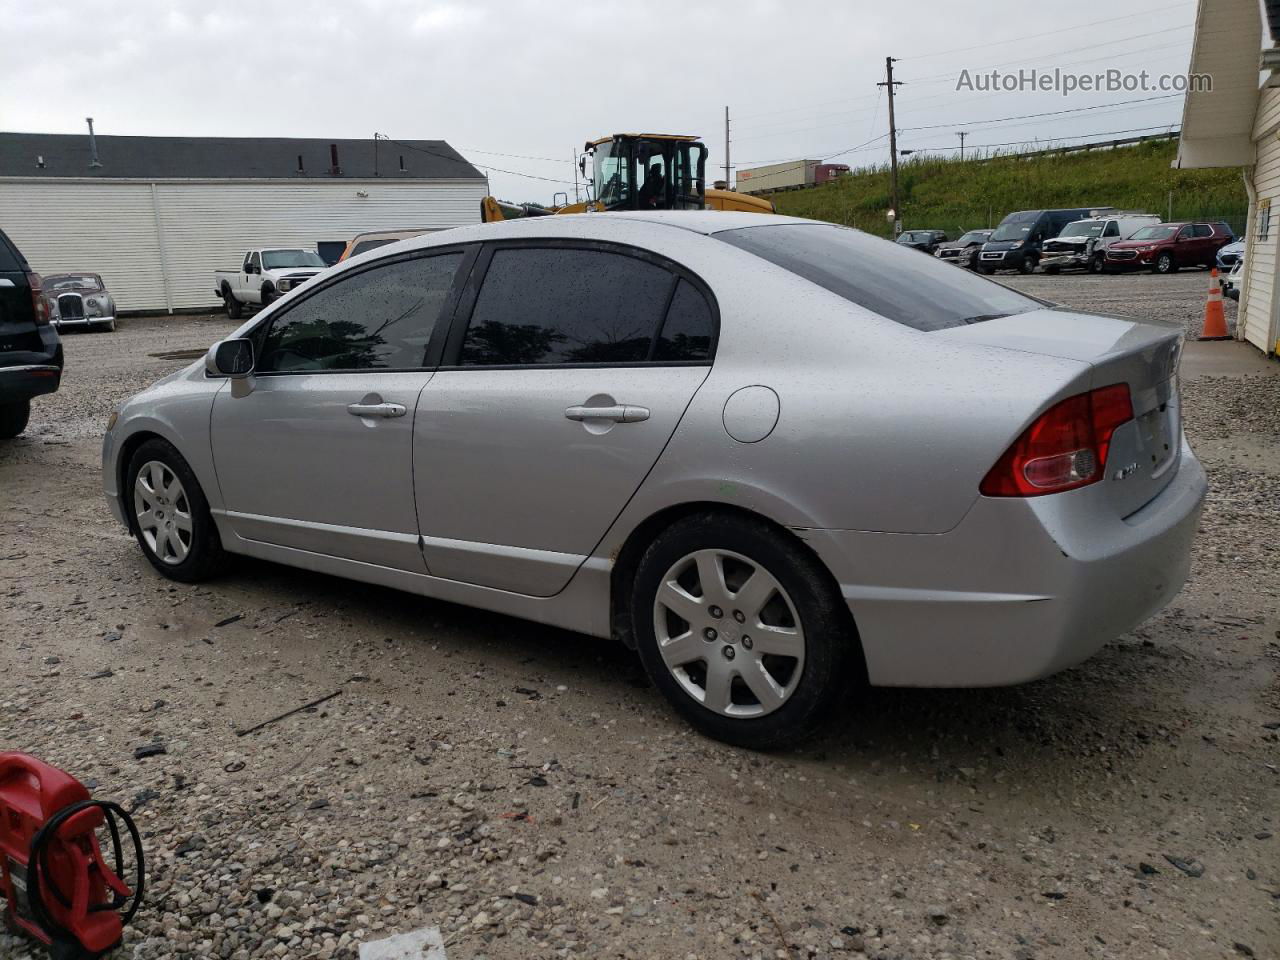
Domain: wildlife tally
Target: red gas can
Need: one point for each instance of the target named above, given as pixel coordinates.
(55, 884)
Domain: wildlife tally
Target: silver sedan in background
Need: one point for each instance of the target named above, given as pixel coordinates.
(779, 458)
(79, 300)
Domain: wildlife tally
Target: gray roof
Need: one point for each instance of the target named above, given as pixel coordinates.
(217, 158)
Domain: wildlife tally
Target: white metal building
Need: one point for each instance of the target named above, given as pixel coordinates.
(157, 215)
(1237, 124)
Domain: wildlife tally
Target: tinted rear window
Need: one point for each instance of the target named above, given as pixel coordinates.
(560, 305)
(8, 261)
(919, 292)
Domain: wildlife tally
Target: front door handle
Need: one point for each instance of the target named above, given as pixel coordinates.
(618, 413)
(376, 409)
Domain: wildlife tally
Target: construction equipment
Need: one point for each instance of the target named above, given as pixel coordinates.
(639, 171)
(54, 885)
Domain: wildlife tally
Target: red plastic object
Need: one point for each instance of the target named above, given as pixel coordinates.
(31, 792)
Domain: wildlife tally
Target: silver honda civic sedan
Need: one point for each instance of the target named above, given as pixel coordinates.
(777, 457)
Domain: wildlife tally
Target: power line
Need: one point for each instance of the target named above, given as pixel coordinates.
(514, 156)
(445, 156)
(1036, 36)
(1058, 53)
(1049, 113)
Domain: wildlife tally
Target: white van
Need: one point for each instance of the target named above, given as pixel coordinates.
(1081, 244)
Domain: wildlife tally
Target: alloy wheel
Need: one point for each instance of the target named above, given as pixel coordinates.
(163, 512)
(729, 633)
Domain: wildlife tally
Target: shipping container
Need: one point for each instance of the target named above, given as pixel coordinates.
(790, 175)
(777, 176)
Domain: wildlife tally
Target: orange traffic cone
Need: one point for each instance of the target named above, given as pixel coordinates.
(1215, 320)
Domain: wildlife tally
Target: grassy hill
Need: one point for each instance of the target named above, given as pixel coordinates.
(953, 195)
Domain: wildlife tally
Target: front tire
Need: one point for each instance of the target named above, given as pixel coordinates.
(1095, 263)
(13, 418)
(1165, 264)
(742, 630)
(1026, 265)
(169, 514)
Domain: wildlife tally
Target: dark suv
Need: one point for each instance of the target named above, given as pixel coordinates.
(1164, 247)
(926, 240)
(30, 351)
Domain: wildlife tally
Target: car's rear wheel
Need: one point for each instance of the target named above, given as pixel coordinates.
(170, 515)
(1165, 264)
(13, 418)
(231, 304)
(742, 630)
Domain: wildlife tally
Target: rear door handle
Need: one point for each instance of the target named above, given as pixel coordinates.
(619, 413)
(376, 409)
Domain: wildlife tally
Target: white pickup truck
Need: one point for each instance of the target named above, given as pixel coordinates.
(264, 275)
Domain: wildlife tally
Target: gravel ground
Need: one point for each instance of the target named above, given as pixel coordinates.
(526, 790)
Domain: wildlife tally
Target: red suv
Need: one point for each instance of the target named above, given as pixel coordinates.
(1164, 247)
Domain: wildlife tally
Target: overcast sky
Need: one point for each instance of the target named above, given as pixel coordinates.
(536, 79)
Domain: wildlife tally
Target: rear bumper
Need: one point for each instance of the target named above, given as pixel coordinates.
(1019, 590)
(28, 380)
(83, 322)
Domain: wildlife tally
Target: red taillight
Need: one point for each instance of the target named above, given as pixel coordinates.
(1064, 449)
(38, 303)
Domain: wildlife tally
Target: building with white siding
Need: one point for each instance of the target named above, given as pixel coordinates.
(155, 216)
(1237, 124)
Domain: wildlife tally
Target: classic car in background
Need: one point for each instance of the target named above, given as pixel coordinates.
(79, 300)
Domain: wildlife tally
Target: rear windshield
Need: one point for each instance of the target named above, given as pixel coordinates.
(923, 293)
(8, 262)
(366, 245)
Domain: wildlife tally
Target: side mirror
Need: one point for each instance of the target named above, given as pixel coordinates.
(230, 358)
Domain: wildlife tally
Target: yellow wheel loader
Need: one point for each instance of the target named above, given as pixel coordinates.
(639, 171)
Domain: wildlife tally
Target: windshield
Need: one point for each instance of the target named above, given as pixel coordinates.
(1012, 231)
(650, 174)
(1155, 233)
(1083, 228)
(923, 293)
(613, 175)
(281, 259)
(80, 281)
(974, 236)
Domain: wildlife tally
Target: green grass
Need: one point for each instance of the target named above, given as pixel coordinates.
(948, 194)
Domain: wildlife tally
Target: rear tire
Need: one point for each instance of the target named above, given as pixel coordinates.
(169, 514)
(804, 653)
(231, 304)
(13, 418)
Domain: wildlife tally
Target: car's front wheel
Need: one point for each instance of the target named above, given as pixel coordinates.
(13, 418)
(1165, 264)
(742, 630)
(170, 515)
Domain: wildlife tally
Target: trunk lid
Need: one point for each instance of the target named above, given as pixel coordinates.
(1145, 452)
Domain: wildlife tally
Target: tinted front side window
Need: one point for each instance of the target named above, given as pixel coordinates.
(378, 319)
(559, 305)
(920, 292)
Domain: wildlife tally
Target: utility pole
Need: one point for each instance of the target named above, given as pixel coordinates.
(728, 183)
(891, 84)
(962, 134)
(573, 160)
